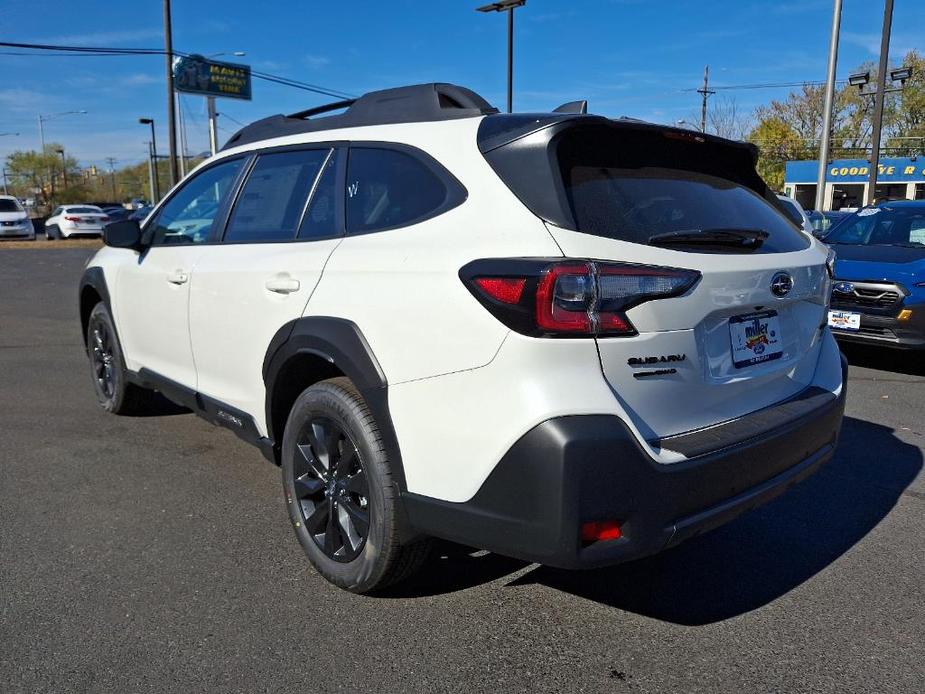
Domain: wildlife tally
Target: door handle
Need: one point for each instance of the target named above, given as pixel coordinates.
(283, 285)
(178, 277)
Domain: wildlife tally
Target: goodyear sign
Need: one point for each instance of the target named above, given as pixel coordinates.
(195, 74)
(893, 170)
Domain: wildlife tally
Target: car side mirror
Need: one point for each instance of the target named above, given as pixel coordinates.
(126, 233)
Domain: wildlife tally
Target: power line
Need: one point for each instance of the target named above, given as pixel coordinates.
(107, 52)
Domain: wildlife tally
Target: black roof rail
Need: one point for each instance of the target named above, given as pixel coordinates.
(417, 103)
(309, 112)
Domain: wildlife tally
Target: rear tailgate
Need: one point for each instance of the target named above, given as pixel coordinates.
(637, 193)
(679, 373)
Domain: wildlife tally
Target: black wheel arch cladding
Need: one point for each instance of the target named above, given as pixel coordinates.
(337, 346)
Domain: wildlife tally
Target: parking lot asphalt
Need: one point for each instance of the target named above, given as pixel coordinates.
(154, 554)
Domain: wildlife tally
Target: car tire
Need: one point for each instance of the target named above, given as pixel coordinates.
(107, 367)
(51, 233)
(349, 523)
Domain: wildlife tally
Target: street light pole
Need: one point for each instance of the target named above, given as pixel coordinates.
(507, 6)
(63, 166)
(171, 104)
(878, 101)
(827, 114)
(155, 182)
(152, 180)
(213, 126)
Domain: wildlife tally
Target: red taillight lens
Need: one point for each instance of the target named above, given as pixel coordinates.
(505, 289)
(72, 219)
(564, 298)
(596, 531)
(546, 298)
(104, 219)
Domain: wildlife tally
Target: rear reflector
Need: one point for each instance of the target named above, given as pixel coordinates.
(505, 289)
(597, 531)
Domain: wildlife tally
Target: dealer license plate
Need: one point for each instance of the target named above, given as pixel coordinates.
(844, 320)
(755, 338)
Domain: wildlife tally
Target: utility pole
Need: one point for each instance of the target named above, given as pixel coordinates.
(827, 115)
(112, 176)
(5, 191)
(704, 92)
(878, 101)
(171, 104)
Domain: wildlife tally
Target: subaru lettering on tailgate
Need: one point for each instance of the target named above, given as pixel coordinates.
(755, 338)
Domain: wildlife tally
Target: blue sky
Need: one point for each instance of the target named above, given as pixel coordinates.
(627, 57)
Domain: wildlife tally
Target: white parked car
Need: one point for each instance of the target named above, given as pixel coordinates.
(14, 220)
(75, 220)
(558, 337)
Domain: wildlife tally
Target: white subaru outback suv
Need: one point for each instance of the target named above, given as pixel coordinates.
(555, 336)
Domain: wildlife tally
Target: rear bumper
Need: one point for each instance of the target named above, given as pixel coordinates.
(887, 331)
(574, 469)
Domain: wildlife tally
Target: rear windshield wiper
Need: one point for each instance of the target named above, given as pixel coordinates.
(744, 239)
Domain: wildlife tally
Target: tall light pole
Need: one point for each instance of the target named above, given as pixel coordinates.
(878, 101)
(507, 6)
(827, 113)
(171, 104)
(63, 165)
(155, 183)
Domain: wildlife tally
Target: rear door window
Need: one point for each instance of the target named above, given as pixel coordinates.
(272, 203)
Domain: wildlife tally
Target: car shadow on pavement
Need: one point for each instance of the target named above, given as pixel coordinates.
(908, 362)
(737, 568)
(766, 553)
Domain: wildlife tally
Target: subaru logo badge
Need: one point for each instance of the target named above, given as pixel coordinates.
(781, 284)
(844, 288)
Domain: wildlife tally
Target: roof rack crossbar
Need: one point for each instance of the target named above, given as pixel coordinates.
(309, 112)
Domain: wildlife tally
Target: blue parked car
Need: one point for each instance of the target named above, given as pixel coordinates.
(879, 292)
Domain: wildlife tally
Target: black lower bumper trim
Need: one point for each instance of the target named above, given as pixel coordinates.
(570, 470)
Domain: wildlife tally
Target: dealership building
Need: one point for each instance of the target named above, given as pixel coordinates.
(846, 181)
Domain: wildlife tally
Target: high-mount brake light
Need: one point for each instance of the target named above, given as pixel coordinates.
(570, 298)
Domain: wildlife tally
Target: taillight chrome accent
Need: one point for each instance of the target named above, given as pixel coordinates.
(570, 298)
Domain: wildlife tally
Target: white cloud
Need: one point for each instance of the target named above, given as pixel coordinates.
(316, 61)
(140, 78)
(103, 38)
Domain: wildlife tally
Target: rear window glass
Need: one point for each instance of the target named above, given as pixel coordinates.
(638, 204)
(7, 205)
(84, 210)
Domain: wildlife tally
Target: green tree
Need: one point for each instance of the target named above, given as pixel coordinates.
(778, 142)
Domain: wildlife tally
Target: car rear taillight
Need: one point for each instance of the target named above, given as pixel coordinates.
(570, 298)
(104, 219)
(72, 219)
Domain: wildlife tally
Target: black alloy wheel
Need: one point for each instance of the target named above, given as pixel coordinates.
(103, 358)
(331, 489)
